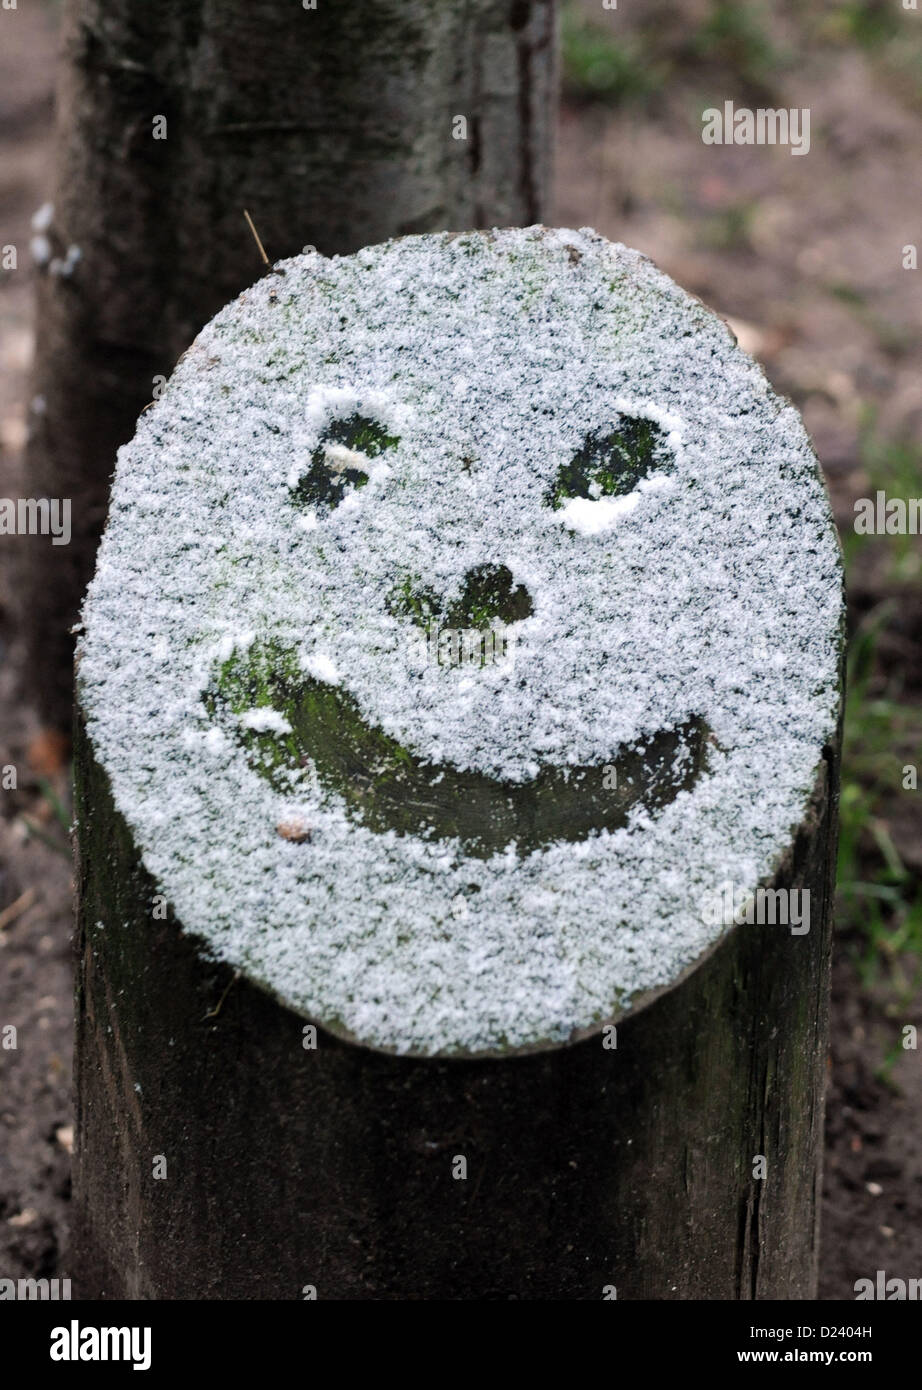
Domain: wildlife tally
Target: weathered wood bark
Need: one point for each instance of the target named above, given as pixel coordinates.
(332, 1168)
(333, 126)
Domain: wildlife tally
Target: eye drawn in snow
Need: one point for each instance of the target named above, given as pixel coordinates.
(608, 475)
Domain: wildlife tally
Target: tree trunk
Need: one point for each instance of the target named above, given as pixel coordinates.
(217, 1157)
(335, 126)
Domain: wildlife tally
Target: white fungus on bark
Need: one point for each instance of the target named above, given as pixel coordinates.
(711, 589)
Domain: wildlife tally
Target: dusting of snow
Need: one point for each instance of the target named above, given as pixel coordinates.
(215, 740)
(490, 357)
(66, 266)
(321, 667)
(43, 217)
(592, 515)
(263, 721)
(589, 515)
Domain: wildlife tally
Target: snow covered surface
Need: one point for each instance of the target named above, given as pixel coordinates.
(713, 592)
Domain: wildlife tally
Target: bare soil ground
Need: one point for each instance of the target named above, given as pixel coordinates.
(36, 989)
(803, 255)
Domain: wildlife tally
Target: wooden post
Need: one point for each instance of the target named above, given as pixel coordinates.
(356, 1095)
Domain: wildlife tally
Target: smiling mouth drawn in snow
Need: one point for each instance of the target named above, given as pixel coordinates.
(310, 723)
(287, 722)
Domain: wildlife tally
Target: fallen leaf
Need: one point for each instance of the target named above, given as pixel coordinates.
(48, 751)
(24, 1218)
(295, 830)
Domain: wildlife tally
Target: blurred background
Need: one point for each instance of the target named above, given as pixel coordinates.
(804, 257)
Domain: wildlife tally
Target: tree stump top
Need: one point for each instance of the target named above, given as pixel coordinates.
(469, 610)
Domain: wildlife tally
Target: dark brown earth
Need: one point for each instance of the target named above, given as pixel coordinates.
(35, 879)
(803, 255)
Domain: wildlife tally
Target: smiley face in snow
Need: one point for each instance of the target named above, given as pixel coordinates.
(500, 623)
(290, 720)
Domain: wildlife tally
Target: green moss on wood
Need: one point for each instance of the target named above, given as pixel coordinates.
(612, 463)
(488, 596)
(324, 486)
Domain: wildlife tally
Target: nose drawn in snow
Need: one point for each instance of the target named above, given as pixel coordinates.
(489, 595)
